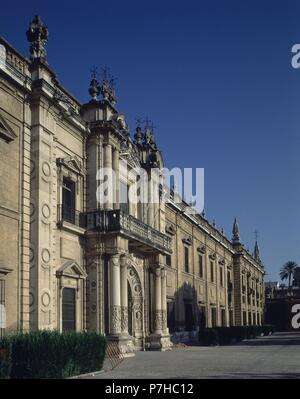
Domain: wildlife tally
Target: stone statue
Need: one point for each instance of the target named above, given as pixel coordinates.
(37, 35)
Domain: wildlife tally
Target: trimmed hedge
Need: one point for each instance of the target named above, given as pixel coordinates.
(5, 360)
(228, 335)
(50, 354)
(208, 336)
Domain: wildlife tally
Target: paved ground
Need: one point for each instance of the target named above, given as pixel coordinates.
(276, 356)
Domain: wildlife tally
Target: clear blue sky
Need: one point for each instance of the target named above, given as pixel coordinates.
(216, 79)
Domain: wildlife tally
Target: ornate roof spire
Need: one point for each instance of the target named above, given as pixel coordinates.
(235, 232)
(138, 137)
(37, 35)
(107, 87)
(256, 252)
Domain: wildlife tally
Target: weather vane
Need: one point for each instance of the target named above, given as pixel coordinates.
(256, 233)
(94, 72)
(138, 121)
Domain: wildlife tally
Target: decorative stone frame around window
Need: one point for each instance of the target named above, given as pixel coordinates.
(70, 168)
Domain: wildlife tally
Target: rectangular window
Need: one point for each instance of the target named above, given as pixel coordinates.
(213, 317)
(168, 260)
(231, 317)
(201, 266)
(249, 319)
(202, 317)
(223, 317)
(221, 276)
(68, 200)
(244, 318)
(124, 204)
(212, 271)
(186, 259)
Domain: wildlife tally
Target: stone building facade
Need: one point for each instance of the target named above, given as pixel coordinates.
(135, 273)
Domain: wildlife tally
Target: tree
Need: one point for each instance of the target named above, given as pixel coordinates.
(296, 277)
(287, 271)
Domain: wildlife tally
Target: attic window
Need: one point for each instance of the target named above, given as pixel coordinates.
(6, 132)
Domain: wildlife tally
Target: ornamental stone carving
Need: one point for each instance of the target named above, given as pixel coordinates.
(158, 325)
(164, 319)
(124, 319)
(116, 319)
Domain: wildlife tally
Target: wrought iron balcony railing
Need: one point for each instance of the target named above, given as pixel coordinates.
(108, 221)
(70, 215)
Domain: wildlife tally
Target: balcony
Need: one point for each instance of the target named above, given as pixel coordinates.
(70, 215)
(141, 236)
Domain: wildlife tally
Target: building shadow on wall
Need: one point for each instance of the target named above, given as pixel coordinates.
(186, 315)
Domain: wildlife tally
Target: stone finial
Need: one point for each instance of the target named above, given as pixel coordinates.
(94, 89)
(235, 232)
(138, 136)
(37, 35)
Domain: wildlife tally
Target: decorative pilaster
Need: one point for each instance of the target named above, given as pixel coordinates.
(116, 188)
(150, 215)
(124, 296)
(157, 309)
(115, 297)
(108, 166)
(164, 300)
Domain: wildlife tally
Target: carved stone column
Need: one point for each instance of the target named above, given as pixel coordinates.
(124, 296)
(116, 166)
(108, 165)
(150, 204)
(115, 295)
(157, 306)
(164, 300)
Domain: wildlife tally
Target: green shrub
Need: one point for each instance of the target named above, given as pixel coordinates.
(228, 335)
(50, 354)
(208, 337)
(225, 335)
(239, 333)
(5, 359)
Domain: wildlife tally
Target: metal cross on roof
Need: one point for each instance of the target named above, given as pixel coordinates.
(256, 233)
(112, 81)
(138, 121)
(148, 124)
(105, 73)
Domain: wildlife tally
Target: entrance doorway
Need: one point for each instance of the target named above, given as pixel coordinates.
(68, 309)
